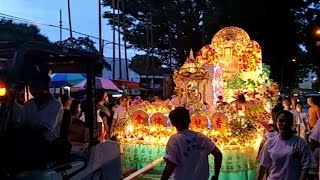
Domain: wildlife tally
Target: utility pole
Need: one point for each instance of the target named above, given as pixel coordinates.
(148, 51)
(70, 24)
(100, 35)
(170, 46)
(100, 28)
(119, 40)
(114, 41)
(152, 60)
(60, 25)
(203, 29)
(124, 39)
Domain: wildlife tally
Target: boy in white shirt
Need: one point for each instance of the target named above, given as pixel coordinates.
(187, 151)
(119, 112)
(304, 121)
(296, 117)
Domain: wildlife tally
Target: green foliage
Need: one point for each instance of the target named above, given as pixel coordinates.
(84, 44)
(138, 64)
(237, 83)
(178, 22)
(192, 23)
(81, 43)
(316, 85)
(310, 21)
(266, 71)
(139, 61)
(10, 31)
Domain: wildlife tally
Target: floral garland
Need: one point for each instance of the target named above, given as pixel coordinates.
(264, 87)
(248, 61)
(207, 55)
(242, 130)
(251, 57)
(137, 100)
(159, 135)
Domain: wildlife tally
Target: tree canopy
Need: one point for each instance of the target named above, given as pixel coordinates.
(308, 36)
(178, 25)
(11, 31)
(81, 43)
(138, 64)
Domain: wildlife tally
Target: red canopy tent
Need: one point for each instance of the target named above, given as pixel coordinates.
(128, 84)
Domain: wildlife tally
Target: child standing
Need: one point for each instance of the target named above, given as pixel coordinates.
(187, 151)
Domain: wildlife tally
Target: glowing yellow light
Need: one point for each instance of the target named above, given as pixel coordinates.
(153, 129)
(205, 132)
(241, 132)
(3, 91)
(130, 128)
(227, 51)
(258, 142)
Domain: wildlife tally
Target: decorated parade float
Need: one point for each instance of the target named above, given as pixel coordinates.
(229, 94)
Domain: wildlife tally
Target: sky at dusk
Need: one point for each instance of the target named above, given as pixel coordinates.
(84, 18)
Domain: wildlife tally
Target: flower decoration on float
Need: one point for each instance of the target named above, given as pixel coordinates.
(241, 132)
(137, 100)
(251, 57)
(232, 48)
(207, 55)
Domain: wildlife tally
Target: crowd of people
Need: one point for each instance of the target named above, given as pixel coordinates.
(290, 149)
(40, 131)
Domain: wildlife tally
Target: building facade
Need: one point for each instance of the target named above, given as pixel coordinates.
(307, 81)
(108, 74)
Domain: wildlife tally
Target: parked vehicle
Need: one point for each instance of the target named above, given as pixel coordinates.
(94, 160)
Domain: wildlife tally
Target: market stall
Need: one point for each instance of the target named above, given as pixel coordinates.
(229, 94)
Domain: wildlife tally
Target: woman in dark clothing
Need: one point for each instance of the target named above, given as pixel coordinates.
(77, 130)
(66, 122)
(83, 106)
(75, 109)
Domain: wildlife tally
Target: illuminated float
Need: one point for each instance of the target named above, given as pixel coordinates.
(229, 94)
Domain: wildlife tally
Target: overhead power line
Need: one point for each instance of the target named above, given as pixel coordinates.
(15, 18)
